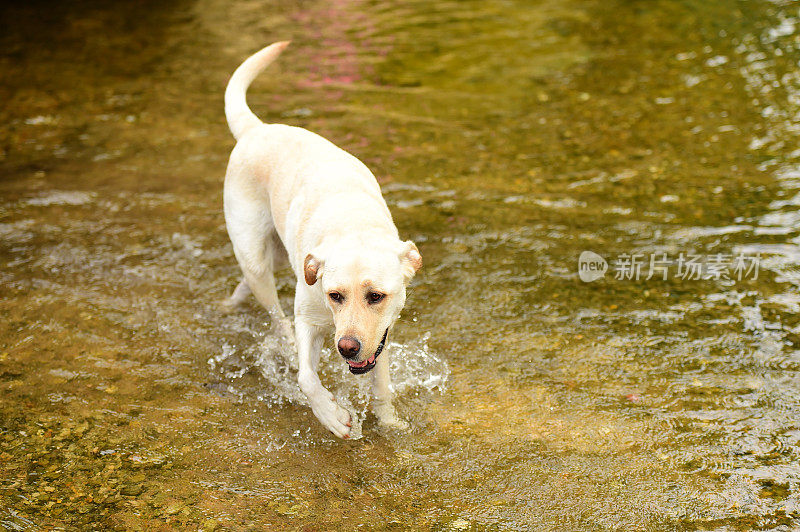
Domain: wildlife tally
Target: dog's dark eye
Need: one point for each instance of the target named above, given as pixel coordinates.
(375, 297)
(336, 297)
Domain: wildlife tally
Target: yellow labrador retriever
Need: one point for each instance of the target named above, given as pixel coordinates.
(327, 211)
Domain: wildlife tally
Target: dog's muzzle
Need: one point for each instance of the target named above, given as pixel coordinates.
(359, 368)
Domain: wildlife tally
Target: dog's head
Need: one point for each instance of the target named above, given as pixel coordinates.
(364, 284)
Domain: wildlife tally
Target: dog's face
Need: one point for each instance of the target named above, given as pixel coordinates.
(364, 285)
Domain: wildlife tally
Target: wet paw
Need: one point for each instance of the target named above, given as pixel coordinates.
(335, 418)
(230, 305)
(396, 424)
(283, 328)
(387, 417)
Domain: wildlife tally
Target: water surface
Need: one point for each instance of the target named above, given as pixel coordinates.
(508, 138)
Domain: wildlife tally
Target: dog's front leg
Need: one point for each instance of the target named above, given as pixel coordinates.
(382, 390)
(309, 343)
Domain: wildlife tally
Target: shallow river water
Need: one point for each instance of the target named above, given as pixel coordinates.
(509, 137)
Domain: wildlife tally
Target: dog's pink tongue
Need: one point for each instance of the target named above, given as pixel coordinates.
(361, 364)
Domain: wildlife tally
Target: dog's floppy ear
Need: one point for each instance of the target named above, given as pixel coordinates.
(312, 267)
(410, 258)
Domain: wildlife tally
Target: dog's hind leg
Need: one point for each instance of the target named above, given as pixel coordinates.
(255, 245)
(262, 284)
(263, 287)
(238, 297)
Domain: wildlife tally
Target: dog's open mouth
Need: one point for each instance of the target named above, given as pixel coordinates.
(359, 368)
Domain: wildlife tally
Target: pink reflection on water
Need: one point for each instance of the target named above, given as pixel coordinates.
(343, 51)
(342, 31)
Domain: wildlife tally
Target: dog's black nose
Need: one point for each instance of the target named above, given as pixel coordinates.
(349, 347)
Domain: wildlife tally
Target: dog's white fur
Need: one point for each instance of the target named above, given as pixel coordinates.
(289, 188)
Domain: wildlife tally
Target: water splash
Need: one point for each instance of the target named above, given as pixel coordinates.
(415, 369)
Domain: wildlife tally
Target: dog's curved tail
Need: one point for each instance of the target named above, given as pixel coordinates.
(240, 117)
